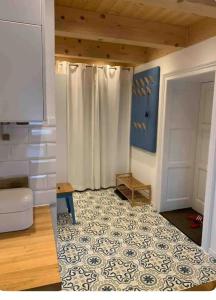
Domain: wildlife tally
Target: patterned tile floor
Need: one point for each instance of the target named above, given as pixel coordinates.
(118, 248)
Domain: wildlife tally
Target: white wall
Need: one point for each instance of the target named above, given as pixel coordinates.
(61, 130)
(212, 249)
(145, 165)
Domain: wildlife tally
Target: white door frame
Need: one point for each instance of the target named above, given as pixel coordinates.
(160, 164)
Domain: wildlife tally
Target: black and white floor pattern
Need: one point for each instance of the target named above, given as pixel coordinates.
(118, 248)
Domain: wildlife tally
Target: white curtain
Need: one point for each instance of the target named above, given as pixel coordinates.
(98, 124)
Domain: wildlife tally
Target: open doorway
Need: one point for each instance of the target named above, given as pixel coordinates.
(186, 151)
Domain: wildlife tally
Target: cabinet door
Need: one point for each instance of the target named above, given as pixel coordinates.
(21, 76)
(24, 11)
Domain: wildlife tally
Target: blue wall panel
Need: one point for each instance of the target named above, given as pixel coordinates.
(145, 109)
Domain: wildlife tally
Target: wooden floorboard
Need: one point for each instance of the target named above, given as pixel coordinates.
(209, 286)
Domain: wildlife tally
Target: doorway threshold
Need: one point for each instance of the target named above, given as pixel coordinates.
(179, 218)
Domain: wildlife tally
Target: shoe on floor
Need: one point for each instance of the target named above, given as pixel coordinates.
(196, 225)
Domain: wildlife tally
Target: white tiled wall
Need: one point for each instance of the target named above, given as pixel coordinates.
(42, 166)
(31, 151)
(47, 197)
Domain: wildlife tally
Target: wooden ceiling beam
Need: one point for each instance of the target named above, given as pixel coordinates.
(201, 31)
(79, 48)
(198, 32)
(93, 61)
(89, 25)
(152, 54)
(204, 8)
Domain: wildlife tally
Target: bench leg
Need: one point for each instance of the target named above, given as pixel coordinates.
(70, 203)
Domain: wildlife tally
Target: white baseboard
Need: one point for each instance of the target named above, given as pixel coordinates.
(212, 252)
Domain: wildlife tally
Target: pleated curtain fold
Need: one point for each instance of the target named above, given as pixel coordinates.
(98, 124)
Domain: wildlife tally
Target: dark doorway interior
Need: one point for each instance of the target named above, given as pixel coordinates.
(179, 218)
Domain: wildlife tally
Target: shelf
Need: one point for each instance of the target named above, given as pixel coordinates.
(135, 191)
(139, 198)
(131, 182)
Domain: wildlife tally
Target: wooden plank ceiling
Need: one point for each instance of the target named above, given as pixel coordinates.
(130, 31)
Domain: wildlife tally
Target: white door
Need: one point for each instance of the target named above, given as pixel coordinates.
(179, 144)
(204, 126)
(21, 76)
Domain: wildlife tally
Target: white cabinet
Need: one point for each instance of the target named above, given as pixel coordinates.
(21, 72)
(27, 60)
(22, 11)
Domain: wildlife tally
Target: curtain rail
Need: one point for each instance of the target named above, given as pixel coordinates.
(89, 66)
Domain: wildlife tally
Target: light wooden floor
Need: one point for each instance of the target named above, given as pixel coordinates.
(28, 257)
(210, 286)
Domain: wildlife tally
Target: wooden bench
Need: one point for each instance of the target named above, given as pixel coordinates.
(28, 259)
(136, 192)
